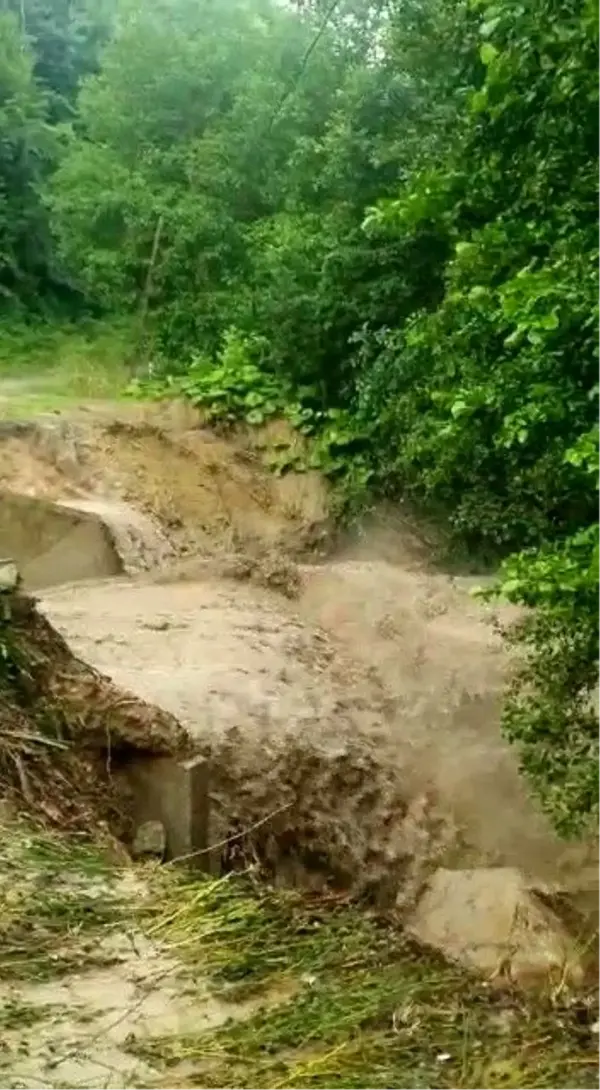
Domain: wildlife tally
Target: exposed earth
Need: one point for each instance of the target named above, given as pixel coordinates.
(350, 688)
(218, 622)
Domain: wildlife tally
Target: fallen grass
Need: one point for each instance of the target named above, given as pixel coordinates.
(371, 1009)
(58, 896)
(48, 367)
(339, 997)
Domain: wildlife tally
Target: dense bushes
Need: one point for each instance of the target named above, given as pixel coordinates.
(551, 710)
(45, 52)
(493, 386)
(26, 149)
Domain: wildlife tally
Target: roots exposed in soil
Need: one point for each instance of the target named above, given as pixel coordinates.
(62, 723)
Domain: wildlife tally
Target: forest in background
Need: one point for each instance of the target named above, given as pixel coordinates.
(378, 219)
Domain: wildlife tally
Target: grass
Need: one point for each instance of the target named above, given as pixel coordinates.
(57, 897)
(333, 997)
(15, 1014)
(370, 1009)
(47, 367)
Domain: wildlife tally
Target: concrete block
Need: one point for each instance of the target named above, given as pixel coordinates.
(150, 840)
(175, 793)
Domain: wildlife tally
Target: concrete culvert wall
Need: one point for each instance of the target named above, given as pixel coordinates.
(79, 539)
(54, 544)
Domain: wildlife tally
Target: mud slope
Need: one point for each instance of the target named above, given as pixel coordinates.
(207, 494)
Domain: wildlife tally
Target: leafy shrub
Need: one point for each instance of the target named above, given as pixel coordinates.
(234, 386)
(479, 399)
(488, 393)
(551, 711)
(237, 386)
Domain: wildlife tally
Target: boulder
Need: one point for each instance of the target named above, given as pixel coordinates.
(491, 920)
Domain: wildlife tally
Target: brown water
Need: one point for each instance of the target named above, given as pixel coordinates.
(366, 713)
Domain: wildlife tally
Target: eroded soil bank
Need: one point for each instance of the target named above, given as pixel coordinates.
(360, 692)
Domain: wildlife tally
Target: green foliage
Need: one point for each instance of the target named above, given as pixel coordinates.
(26, 150)
(234, 386)
(552, 708)
(45, 50)
(491, 390)
(258, 164)
(492, 386)
(65, 38)
(551, 712)
(315, 278)
(183, 127)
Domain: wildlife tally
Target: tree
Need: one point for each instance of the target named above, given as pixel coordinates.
(27, 150)
(180, 124)
(65, 37)
(492, 387)
(317, 280)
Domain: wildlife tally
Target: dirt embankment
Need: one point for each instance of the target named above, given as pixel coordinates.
(364, 716)
(208, 495)
(63, 724)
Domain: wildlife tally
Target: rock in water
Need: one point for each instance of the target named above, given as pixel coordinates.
(489, 920)
(150, 840)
